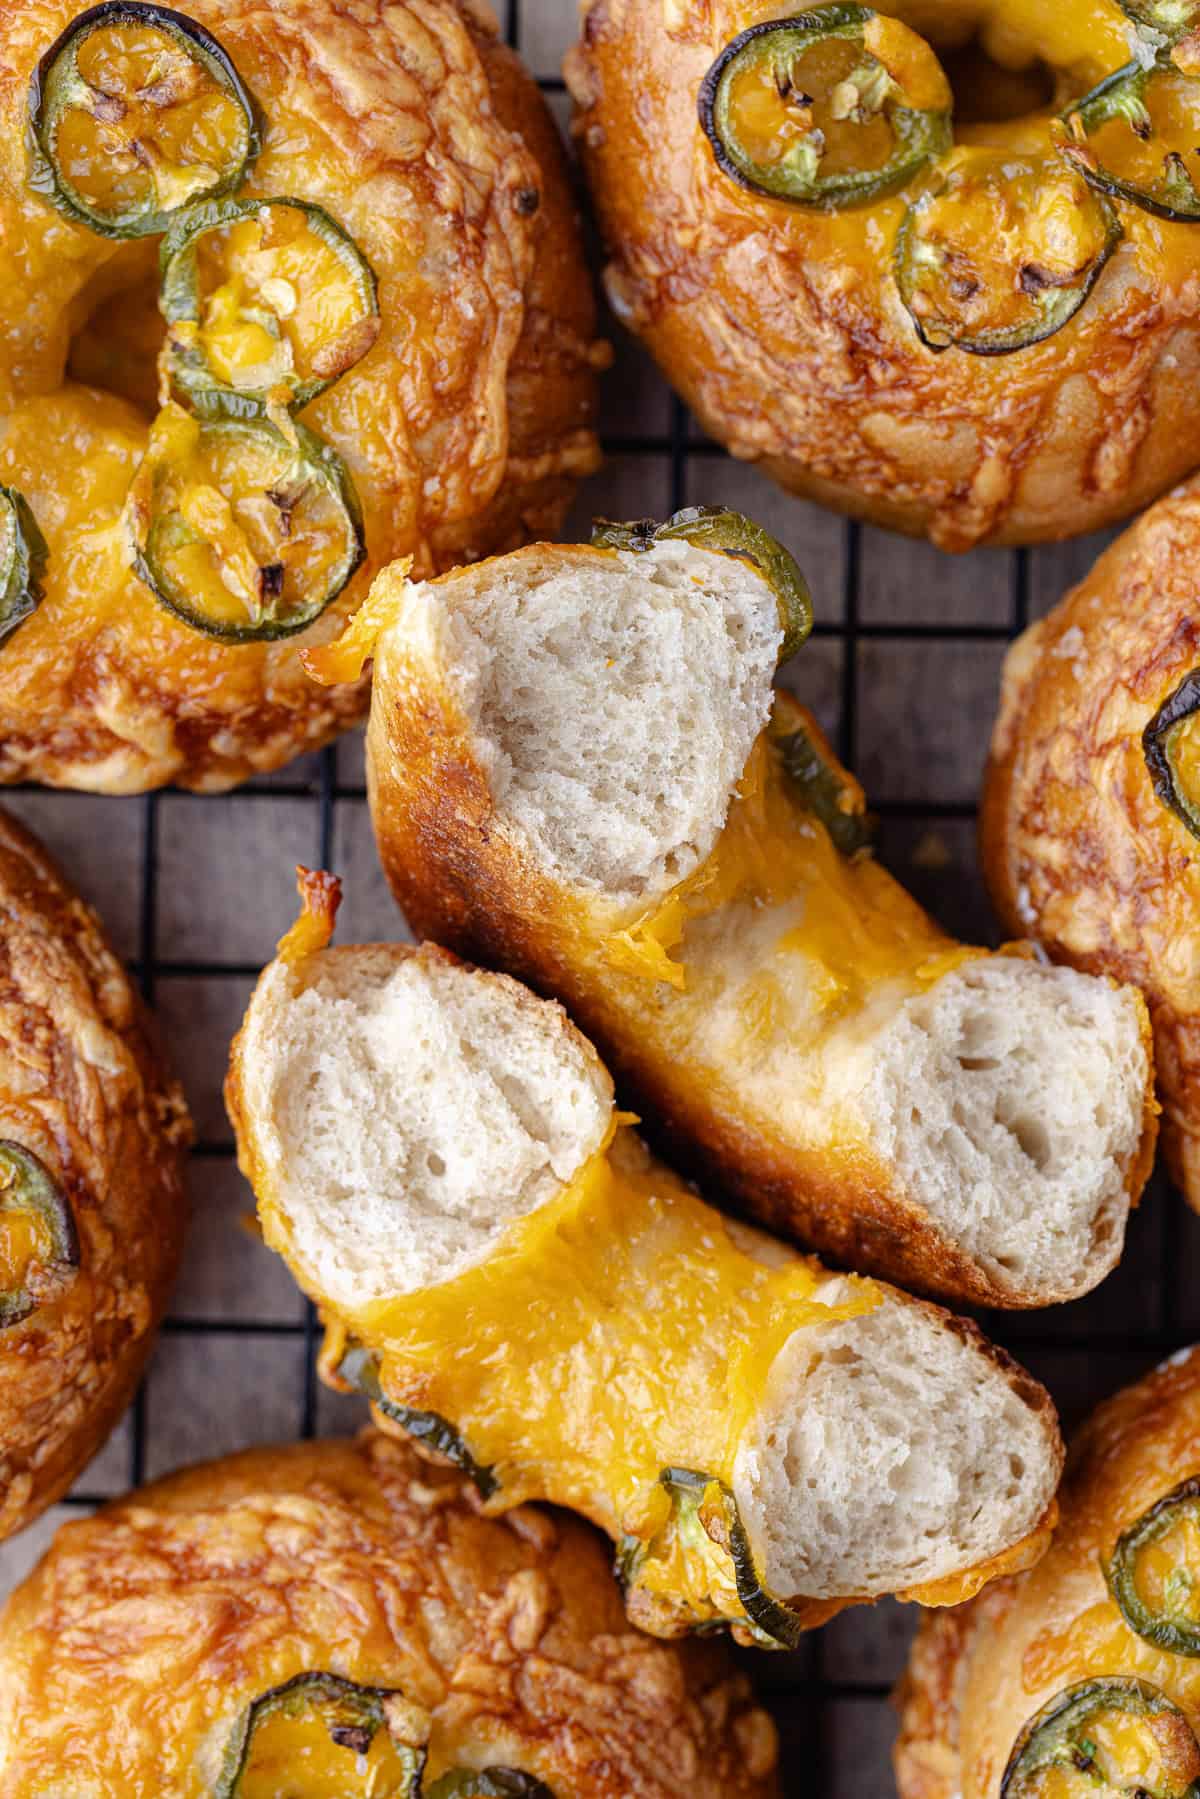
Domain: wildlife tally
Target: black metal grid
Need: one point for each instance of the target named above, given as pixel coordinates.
(830, 1698)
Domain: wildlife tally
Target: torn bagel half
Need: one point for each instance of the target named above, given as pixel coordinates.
(517, 1284)
(580, 774)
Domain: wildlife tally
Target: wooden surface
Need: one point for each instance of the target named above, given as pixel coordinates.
(903, 670)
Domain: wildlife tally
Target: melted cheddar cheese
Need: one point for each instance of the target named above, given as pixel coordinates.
(299, 1757)
(1167, 1572)
(26, 1241)
(614, 1333)
(858, 927)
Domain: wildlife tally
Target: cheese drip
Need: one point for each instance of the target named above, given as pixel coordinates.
(614, 1333)
(859, 927)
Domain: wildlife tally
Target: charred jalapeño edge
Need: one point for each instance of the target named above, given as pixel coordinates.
(179, 300)
(359, 1368)
(771, 1623)
(1056, 1736)
(1120, 1571)
(1120, 96)
(487, 1783)
(358, 1715)
(1059, 302)
(725, 533)
(823, 790)
(32, 1188)
(1157, 745)
(920, 136)
(314, 461)
(1167, 18)
(23, 571)
(58, 71)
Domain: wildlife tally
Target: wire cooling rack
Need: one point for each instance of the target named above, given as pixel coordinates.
(902, 668)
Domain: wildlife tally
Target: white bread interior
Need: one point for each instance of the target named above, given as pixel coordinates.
(409, 1110)
(909, 1458)
(614, 716)
(1009, 1098)
(614, 703)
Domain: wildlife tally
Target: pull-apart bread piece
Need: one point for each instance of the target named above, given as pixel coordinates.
(1081, 1678)
(92, 1212)
(579, 772)
(512, 1279)
(1091, 808)
(337, 1619)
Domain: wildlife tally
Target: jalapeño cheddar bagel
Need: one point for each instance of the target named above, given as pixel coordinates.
(337, 1619)
(288, 290)
(512, 1280)
(1091, 807)
(934, 262)
(92, 1134)
(579, 773)
(1081, 1677)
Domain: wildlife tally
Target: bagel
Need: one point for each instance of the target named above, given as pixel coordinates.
(92, 1213)
(1087, 830)
(578, 773)
(1080, 1676)
(913, 259)
(337, 1618)
(346, 236)
(508, 1275)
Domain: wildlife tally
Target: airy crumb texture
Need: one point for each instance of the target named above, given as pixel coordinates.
(616, 702)
(411, 1110)
(891, 1450)
(1009, 1098)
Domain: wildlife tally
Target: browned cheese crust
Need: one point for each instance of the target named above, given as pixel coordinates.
(977, 1674)
(783, 330)
(128, 1657)
(1078, 849)
(464, 428)
(83, 1087)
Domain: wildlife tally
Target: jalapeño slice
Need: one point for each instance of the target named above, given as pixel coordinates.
(1119, 1736)
(830, 108)
(726, 533)
(267, 302)
(1168, 18)
(487, 1783)
(243, 530)
(1000, 251)
(133, 113)
(23, 558)
(824, 792)
(1171, 745)
(1137, 137)
(39, 1247)
(321, 1737)
(360, 1369)
(705, 1518)
(1153, 1573)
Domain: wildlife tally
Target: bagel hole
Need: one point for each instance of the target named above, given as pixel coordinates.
(987, 92)
(119, 330)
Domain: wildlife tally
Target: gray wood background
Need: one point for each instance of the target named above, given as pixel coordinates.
(903, 671)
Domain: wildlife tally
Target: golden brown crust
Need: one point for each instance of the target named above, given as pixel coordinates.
(127, 1658)
(978, 1674)
(464, 881)
(82, 1086)
(783, 331)
(464, 428)
(1077, 848)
